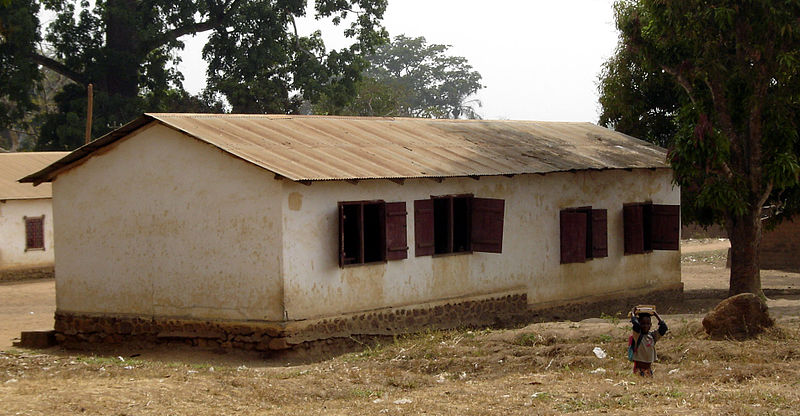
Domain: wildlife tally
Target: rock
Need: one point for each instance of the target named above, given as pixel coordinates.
(739, 317)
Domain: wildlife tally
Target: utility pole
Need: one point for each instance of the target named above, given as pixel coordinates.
(89, 114)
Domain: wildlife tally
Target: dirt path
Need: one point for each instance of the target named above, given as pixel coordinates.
(25, 306)
(705, 244)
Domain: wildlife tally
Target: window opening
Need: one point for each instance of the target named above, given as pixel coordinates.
(34, 233)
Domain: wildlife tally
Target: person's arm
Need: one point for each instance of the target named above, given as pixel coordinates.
(662, 326)
(635, 322)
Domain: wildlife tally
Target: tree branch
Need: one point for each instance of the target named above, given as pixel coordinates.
(59, 68)
(174, 34)
(683, 82)
(217, 16)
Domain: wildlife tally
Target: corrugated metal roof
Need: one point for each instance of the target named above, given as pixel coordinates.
(308, 148)
(16, 165)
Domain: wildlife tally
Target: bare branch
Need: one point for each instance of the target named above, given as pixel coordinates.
(683, 82)
(176, 33)
(297, 40)
(59, 68)
(193, 28)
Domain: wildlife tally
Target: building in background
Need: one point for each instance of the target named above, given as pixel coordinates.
(26, 217)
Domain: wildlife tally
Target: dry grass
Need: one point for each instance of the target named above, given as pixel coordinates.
(544, 368)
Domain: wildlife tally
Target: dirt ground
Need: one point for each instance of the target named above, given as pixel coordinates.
(544, 368)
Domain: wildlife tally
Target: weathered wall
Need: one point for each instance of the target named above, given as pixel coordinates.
(160, 224)
(316, 286)
(780, 247)
(12, 233)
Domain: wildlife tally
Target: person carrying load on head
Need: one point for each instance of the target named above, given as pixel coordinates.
(642, 344)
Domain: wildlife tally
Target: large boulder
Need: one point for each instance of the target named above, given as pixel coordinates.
(739, 317)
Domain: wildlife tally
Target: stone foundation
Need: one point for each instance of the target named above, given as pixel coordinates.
(350, 331)
(74, 329)
(28, 273)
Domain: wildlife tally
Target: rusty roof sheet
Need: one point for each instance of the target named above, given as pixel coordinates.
(308, 148)
(16, 165)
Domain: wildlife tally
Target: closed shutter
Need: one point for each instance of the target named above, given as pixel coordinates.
(599, 233)
(396, 239)
(573, 236)
(423, 227)
(633, 222)
(487, 225)
(666, 225)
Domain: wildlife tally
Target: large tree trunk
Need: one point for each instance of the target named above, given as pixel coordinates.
(745, 236)
(122, 49)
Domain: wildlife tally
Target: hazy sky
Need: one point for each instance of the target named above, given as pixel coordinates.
(539, 58)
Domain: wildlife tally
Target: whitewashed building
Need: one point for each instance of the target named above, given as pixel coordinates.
(261, 231)
(26, 220)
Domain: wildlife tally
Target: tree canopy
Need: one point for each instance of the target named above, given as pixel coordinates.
(734, 124)
(411, 78)
(128, 49)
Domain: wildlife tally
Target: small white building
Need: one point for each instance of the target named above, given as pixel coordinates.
(26, 217)
(262, 231)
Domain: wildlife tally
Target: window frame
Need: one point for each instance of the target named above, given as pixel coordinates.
(465, 224)
(29, 230)
(648, 227)
(477, 225)
(386, 236)
(589, 226)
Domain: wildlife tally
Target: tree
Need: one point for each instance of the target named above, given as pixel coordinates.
(23, 132)
(638, 102)
(410, 78)
(128, 50)
(735, 149)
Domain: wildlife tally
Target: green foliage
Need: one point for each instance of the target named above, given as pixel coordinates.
(129, 49)
(641, 103)
(733, 124)
(409, 78)
(18, 36)
(614, 319)
(528, 339)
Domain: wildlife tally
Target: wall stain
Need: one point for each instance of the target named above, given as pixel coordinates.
(451, 275)
(295, 201)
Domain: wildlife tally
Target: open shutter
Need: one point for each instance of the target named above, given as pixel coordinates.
(423, 227)
(396, 239)
(599, 232)
(487, 225)
(666, 226)
(573, 236)
(633, 223)
(341, 235)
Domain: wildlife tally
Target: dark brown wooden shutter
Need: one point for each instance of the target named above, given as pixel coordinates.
(396, 240)
(341, 234)
(34, 233)
(573, 236)
(487, 225)
(599, 233)
(423, 227)
(633, 222)
(666, 226)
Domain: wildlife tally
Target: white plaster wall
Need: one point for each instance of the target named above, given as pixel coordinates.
(12, 233)
(315, 286)
(159, 224)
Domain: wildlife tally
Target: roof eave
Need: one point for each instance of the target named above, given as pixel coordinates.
(49, 172)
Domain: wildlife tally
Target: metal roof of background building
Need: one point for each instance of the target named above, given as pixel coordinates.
(16, 165)
(310, 148)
